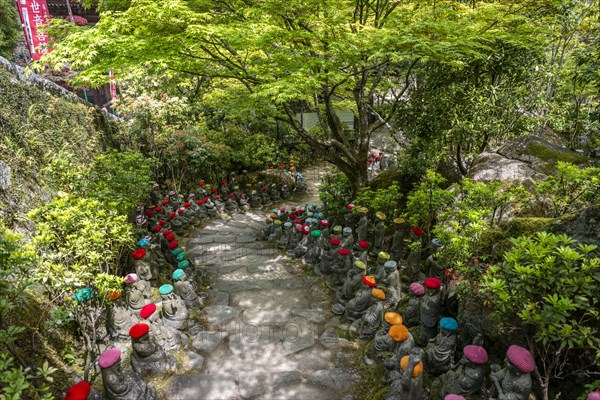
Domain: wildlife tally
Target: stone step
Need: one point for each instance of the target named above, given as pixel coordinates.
(214, 386)
(271, 298)
(254, 383)
(339, 379)
(238, 286)
(300, 391)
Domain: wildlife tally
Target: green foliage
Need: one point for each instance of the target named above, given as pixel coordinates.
(118, 179)
(80, 241)
(335, 193)
(10, 29)
(386, 199)
(549, 282)
(427, 200)
(571, 189)
(16, 261)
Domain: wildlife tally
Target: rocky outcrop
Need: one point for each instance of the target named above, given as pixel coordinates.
(529, 157)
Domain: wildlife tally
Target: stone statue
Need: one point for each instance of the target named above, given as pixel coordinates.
(378, 270)
(184, 289)
(340, 266)
(268, 229)
(295, 237)
(168, 338)
(324, 266)
(414, 257)
(119, 321)
(391, 282)
(174, 200)
(120, 384)
(409, 386)
(231, 205)
(363, 224)
(155, 194)
(371, 319)
(313, 250)
(430, 310)
(274, 193)
(284, 240)
(302, 245)
(466, 378)
(397, 246)
(347, 238)
(360, 251)
(285, 192)
(352, 282)
(378, 233)
(219, 204)
(211, 210)
(137, 291)
(143, 269)
(403, 343)
(265, 198)
(359, 304)
(175, 313)
(412, 312)
(255, 202)
(432, 265)
(383, 343)
(513, 382)
(243, 201)
(147, 355)
(224, 189)
(349, 217)
(440, 350)
(277, 232)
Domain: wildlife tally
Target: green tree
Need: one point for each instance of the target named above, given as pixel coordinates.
(320, 56)
(10, 29)
(546, 287)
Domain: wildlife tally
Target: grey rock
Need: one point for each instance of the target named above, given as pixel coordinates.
(256, 341)
(263, 317)
(344, 360)
(297, 344)
(221, 315)
(219, 298)
(329, 339)
(245, 239)
(309, 314)
(207, 341)
(253, 383)
(201, 240)
(489, 167)
(219, 386)
(342, 379)
(193, 361)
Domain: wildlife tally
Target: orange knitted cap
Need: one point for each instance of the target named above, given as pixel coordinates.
(417, 370)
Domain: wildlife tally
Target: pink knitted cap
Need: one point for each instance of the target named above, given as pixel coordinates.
(475, 354)
(453, 397)
(109, 357)
(131, 278)
(417, 288)
(593, 396)
(521, 358)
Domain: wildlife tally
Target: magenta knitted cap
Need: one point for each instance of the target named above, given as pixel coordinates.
(453, 397)
(417, 288)
(109, 357)
(521, 358)
(475, 354)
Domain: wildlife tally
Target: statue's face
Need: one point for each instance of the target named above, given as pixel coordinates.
(144, 346)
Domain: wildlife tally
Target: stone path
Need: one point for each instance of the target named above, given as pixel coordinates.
(270, 333)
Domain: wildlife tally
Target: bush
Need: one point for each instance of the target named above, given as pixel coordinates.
(550, 282)
(385, 199)
(17, 381)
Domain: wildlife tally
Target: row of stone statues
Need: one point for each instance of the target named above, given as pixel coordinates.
(368, 287)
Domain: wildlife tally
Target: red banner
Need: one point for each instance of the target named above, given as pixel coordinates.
(35, 16)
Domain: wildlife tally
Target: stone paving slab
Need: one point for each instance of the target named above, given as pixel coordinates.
(220, 386)
(342, 379)
(271, 298)
(261, 316)
(254, 383)
(221, 315)
(300, 391)
(238, 286)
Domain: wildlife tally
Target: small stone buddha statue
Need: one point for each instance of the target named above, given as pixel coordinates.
(362, 300)
(184, 289)
(383, 343)
(120, 384)
(397, 246)
(137, 291)
(363, 224)
(147, 355)
(391, 283)
(430, 309)
(378, 232)
(403, 343)
(414, 257)
(412, 311)
(372, 317)
(466, 377)
(439, 353)
(175, 313)
(352, 282)
(513, 382)
(409, 386)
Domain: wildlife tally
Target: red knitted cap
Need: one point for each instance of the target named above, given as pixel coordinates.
(79, 391)
(147, 310)
(138, 330)
(139, 253)
(433, 283)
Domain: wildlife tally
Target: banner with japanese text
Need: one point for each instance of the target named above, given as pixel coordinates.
(35, 16)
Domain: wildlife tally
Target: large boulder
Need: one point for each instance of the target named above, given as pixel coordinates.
(529, 157)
